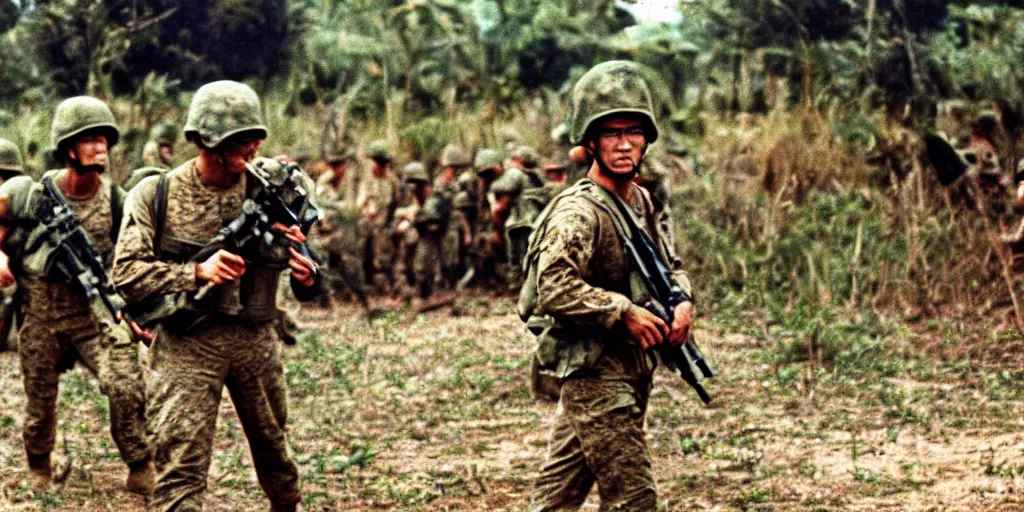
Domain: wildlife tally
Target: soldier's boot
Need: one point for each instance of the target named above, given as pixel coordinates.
(274, 507)
(39, 472)
(141, 477)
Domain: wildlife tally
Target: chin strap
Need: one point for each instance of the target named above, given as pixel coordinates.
(607, 170)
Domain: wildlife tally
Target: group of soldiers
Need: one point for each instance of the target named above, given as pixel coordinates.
(501, 218)
(407, 234)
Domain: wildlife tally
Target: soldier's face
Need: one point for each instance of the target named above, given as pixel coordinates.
(240, 150)
(556, 176)
(620, 145)
(90, 151)
(167, 153)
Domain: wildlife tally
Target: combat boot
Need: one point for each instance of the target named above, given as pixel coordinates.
(141, 477)
(39, 472)
(284, 508)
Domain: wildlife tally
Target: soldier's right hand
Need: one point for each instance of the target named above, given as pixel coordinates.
(644, 326)
(221, 267)
(6, 276)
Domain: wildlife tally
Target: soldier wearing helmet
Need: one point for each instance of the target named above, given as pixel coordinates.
(454, 161)
(169, 219)
(159, 150)
(343, 269)
(488, 246)
(157, 154)
(11, 163)
(58, 327)
(594, 338)
(379, 195)
(407, 237)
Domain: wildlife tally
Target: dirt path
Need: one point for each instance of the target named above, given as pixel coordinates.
(431, 412)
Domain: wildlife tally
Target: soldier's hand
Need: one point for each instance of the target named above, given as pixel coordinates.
(1020, 194)
(303, 269)
(293, 233)
(6, 276)
(644, 326)
(681, 324)
(140, 333)
(221, 267)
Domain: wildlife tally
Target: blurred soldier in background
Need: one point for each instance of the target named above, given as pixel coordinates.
(378, 197)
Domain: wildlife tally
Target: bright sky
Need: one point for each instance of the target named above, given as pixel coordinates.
(656, 10)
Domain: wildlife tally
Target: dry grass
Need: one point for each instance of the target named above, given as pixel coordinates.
(431, 412)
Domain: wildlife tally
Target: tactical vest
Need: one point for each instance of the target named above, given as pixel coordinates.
(253, 297)
(564, 351)
(28, 244)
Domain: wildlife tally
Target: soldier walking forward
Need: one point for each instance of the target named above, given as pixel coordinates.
(597, 339)
(237, 345)
(58, 326)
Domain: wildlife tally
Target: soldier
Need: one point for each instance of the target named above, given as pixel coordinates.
(509, 137)
(597, 339)
(168, 219)
(526, 160)
(487, 248)
(555, 170)
(58, 327)
(414, 174)
(338, 228)
(379, 195)
(455, 161)
(11, 165)
(159, 150)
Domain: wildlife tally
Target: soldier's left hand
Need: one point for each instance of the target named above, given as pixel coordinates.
(293, 233)
(303, 269)
(682, 323)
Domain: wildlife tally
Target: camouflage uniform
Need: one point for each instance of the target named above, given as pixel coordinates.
(405, 234)
(582, 284)
(11, 165)
(58, 329)
(486, 253)
(238, 346)
(377, 199)
(334, 235)
(457, 159)
(60, 325)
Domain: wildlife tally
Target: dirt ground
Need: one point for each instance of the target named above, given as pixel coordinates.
(432, 412)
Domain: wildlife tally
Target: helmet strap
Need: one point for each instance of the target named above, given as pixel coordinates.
(607, 170)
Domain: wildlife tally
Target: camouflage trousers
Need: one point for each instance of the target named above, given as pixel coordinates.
(517, 241)
(48, 347)
(428, 264)
(187, 375)
(405, 252)
(341, 267)
(378, 251)
(598, 437)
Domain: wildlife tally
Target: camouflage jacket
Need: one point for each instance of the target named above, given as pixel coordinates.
(582, 283)
(194, 214)
(41, 295)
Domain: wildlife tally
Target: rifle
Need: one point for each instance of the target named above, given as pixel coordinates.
(75, 259)
(663, 294)
(286, 202)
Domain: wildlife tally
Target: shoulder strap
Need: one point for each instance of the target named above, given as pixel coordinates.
(116, 211)
(160, 212)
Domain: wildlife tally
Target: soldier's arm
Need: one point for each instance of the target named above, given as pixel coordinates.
(13, 195)
(137, 273)
(568, 245)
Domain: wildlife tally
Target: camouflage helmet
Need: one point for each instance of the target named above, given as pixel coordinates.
(378, 150)
(462, 201)
(510, 183)
(454, 155)
(10, 157)
(486, 159)
(527, 155)
(80, 114)
(613, 87)
(165, 134)
(222, 109)
(415, 172)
